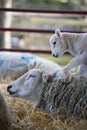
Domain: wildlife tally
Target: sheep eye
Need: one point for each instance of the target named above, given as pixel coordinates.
(32, 76)
(54, 43)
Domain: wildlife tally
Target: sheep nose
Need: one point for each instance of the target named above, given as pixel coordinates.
(55, 55)
(8, 88)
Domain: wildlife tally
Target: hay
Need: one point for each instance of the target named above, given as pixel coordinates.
(25, 117)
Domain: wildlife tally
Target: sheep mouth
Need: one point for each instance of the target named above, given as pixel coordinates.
(13, 93)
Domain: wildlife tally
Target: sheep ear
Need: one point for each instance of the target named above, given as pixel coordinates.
(58, 33)
(39, 74)
(46, 77)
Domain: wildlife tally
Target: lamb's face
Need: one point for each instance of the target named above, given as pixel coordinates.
(27, 85)
(57, 48)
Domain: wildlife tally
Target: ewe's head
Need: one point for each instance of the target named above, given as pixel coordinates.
(29, 85)
(57, 47)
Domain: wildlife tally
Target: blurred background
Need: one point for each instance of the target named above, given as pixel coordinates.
(39, 21)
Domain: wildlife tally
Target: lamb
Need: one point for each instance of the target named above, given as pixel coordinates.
(75, 44)
(48, 91)
(5, 116)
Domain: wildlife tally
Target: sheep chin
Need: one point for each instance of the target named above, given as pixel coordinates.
(14, 95)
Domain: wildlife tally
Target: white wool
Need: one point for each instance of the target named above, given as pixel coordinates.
(13, 65)
(76, 45)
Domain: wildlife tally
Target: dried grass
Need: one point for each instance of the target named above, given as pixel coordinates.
(25, 117)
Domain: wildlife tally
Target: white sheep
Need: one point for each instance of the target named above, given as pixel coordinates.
(75, 44)
(13, 65)
(45, 64)
(48, 91)
(5, 116)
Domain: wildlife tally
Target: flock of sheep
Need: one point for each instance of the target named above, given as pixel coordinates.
(44, 83)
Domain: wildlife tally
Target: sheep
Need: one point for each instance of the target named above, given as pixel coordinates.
(5, 116)
(76, 45)
(46, 64)
(13, 65)
(48, 91)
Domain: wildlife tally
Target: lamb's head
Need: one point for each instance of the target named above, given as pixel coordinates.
(29, 85)
(56, 44)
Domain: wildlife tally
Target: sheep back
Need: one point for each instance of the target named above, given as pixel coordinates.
(68, 93)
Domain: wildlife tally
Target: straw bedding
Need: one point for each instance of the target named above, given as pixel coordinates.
(25, 117)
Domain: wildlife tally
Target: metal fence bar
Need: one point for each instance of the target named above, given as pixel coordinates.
(26, 50)
(36, 30)
(27, 30)
(43, 11)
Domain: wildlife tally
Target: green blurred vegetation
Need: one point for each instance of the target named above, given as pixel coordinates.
(51, 4)
(61, 60)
